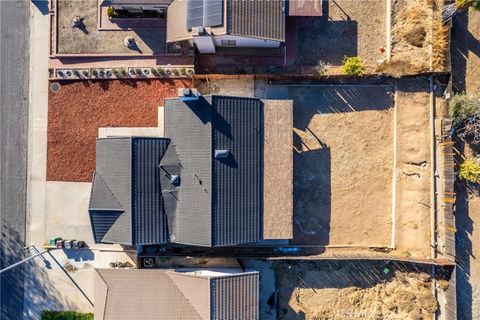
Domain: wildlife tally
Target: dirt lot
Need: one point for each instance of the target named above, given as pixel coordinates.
(77, 111)
(344, 162)
(346, 28)
(416, 24)
(339, 290)
(89, 40)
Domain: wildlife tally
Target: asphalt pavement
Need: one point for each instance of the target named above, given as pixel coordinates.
(14, 75)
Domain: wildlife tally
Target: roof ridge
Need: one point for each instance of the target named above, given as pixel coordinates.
(169, 273)
(96, 173)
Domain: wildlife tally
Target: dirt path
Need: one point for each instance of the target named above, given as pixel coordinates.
(413, 170)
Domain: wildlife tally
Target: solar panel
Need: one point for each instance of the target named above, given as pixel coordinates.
(194, 13)
(212, 13)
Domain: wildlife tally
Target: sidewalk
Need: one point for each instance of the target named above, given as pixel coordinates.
(55, 208)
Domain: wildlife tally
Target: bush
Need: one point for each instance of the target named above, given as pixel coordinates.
(353, 66)
(463, 106)
(476, 5)
(66, 315)
(111, 12)
(470, 171)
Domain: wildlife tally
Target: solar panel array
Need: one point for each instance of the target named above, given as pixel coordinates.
(204, 13)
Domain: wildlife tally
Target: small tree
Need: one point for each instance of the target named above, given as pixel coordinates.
(353, 66)
(470, 171)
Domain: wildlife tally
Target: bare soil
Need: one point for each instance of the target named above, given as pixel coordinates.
(416, 25)
(352, 290)
(346, 29)
(343, 165)
(77, 111)
(413, 168)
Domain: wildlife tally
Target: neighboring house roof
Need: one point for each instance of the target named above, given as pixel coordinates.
(216, 148)
(260, 19)
(158, 294)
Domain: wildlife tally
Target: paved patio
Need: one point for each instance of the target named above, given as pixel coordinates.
(89, 40)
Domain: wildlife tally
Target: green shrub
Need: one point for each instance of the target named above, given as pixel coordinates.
(111, 12)
(353, 66)
(463, 106)
(476, 5)
(470, 171)
(66, 315)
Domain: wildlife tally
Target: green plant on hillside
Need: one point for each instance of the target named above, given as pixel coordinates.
(470, 171)
(66, 315)
(462, 106)
(353, 66)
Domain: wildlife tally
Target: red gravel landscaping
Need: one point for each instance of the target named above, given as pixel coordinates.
(77, 111)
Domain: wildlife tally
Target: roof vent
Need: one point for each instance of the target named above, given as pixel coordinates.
(175, 179)
(186, 94)
(222, 154)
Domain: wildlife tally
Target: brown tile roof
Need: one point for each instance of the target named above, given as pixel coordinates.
(125, 294)
(278, 169)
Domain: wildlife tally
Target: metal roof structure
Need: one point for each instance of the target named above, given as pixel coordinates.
(204, 13)
(260, 19)
(166, 294)
(203, 184)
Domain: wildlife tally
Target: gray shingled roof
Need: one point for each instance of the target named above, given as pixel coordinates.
(263, 19)
(159, 294)
(126, 205)
(225, 194)
(218, 201)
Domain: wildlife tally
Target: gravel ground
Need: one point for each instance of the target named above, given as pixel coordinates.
(77, 111)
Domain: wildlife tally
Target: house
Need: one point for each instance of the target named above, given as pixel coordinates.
(171, 295)
(223, 23)
(221, 176)
(137, 6)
